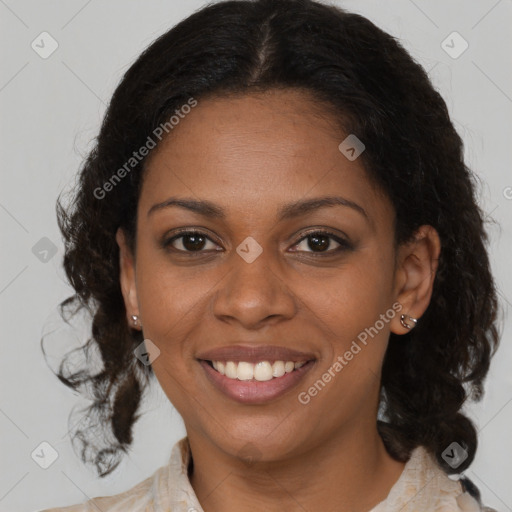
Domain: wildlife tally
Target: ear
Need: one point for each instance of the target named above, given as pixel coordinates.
(127, 278)
(417, 263)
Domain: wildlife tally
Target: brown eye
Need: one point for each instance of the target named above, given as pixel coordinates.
(188, 241)
(319, 242)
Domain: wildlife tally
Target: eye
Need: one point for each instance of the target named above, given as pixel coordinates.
(188, 241)
(320, 243)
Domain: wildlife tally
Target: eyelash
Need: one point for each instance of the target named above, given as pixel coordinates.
(344, 244)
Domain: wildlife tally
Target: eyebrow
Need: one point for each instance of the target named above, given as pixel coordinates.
(285, 212)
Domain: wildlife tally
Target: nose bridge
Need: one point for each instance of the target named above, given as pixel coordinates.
(253, 290)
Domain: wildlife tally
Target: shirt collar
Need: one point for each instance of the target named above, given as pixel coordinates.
(182, 497)
(423, 485)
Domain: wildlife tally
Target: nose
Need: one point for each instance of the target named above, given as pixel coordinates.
(254, 294)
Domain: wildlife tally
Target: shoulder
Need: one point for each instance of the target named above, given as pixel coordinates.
(166, 489)
(143, 497)
(424, 485)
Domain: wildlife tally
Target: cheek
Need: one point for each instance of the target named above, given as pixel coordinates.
(171, 300)
(350, 305)
(172, 308)
(348, 309)
(350, 298)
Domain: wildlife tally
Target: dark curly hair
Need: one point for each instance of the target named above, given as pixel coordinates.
(372, 87)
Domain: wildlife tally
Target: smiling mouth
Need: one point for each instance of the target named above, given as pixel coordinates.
(257, 381)
(260, 371)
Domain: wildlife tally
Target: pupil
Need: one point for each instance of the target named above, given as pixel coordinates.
(197, 242)
(318, 241)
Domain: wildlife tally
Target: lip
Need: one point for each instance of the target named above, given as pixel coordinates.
(254, 353)
(255, 392)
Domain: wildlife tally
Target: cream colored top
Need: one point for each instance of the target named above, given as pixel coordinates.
(423, 486)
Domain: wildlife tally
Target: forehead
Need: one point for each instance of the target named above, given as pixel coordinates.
(254, 152)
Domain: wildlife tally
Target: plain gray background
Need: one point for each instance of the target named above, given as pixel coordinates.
(51, 110)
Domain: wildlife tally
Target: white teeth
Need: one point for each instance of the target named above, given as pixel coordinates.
(245, 371)
(278, 369)
(261, 371)
(230, 369)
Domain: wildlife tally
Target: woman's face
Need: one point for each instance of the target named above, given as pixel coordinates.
(254, 279)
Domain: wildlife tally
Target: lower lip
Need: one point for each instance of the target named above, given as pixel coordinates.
(252, 391)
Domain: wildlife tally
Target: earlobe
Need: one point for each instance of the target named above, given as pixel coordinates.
(127, 280)
(417, 267)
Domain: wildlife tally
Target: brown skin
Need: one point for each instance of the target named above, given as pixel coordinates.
(250, 155)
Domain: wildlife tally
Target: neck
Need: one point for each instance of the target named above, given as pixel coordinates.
(344, 473)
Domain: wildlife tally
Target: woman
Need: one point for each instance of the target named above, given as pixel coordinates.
(277, 222)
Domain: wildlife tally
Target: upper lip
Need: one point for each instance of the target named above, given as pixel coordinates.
(254, 353)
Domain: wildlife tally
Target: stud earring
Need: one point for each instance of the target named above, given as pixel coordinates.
(135, 321)
(405, 324)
